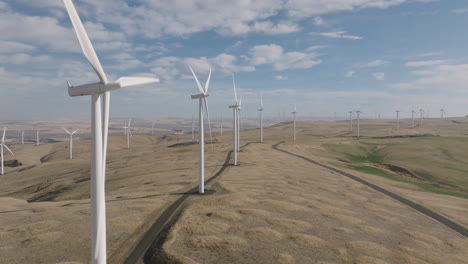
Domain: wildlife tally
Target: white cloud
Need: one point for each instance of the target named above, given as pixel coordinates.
(460, 10)
(22, 58)
(376, 63)
(274, 55)
(445, 77)
(350, 74)
(379, 75)
(13, 46)
(280, 77)
(339, 34)
(426, 63)
(318, 21)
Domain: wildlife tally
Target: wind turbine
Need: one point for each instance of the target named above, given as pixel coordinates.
(442, 112)
(99, 129)
(22, 137)
(260, 110)
(397, 119)
(202, 100)
(294, 122)
(421, 116)
(71, 140)
(351, 121)
(234, 108)
(412, 117)
(358, 113)
(239, 108)
(128, 132)
(2, 145)
(37, 138)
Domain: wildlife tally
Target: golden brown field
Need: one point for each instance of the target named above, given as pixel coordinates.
(272, 208)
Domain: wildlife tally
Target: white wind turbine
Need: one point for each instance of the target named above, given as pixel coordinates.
(235, 130)
(294, 122)
(421, 116)
(202, 100)
(442, 112)
(358, 113)
(239, 108)
(22, 137)
(193, 128)
(397, 119)
(412, 117)
(128, 132)
(350, 120)
(99, 129)
(260, 110)
(2, 145)
(71, 140)
(37, 137)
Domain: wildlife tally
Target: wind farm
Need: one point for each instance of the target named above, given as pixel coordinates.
(330, 143)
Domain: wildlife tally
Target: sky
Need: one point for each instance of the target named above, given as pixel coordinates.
(324, 56)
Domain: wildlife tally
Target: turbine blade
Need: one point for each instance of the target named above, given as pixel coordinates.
(66, 130)
(8, 149)
(75, 131)
(235, 91)
(208, 117)
(3, 137)
(207, 84)
(196, 79)
(85, 43)
(131, 81)
(240, 101)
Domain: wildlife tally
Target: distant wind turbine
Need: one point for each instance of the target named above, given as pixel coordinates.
(202, 100)
(421, 116)
(442, 112)
(239, 108)
(128, 132)
(294, 122)
(351, 121)
(37, 137)
(99, 132)
(358, 113)
(235, 130)
(71, 140)
(260, 110)
(397, 119)
(412, 117)
(22, 137)
(2, 145)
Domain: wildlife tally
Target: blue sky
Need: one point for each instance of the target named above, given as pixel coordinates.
(325, 56)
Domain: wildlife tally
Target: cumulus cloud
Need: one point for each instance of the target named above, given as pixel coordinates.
(280, 77)
(460, 10)
(350, 74)
(339, 34)
(376, 63)
(445, 77)
(426, 63)
(275, 56)
(379, 75)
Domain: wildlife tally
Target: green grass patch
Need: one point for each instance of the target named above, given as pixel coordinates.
(390, 176)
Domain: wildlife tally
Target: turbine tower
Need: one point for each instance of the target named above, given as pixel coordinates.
(2, 145)
(99, 129)
(358, 113)
(202, 100)
(294, 123)
(442, 112)
(351, 121)
(193, 128)
(260, 110)
(421, 116)
(234, 108)
(412, 117)
(22, 137)
(239, 108)
(397, 119)
(71, 140)
(37, 138)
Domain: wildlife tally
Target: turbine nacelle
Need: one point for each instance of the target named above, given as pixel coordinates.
(92, 88)
(198, 96)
